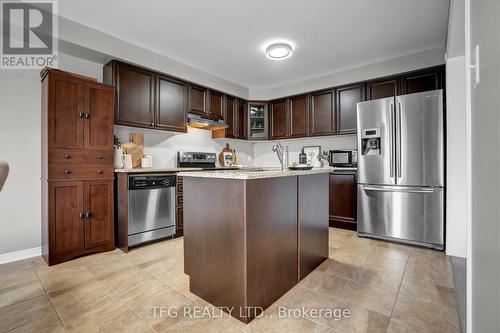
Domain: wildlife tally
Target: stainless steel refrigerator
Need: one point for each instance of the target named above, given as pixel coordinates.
(401, 169)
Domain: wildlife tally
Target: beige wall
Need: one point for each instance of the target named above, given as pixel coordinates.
(20, 134)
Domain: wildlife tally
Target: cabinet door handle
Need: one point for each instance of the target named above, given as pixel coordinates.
(67, 172)
(99, 157)
(88, 215)
(87, 115)
(67, 156)
(99, 171)
(81, 114)
(82, 215)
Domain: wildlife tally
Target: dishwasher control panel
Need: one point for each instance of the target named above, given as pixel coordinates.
(151, 181)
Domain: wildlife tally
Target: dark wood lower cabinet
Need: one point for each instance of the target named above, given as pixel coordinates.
(66, 226)
(98, 201)
(343, 199)
(79, 219)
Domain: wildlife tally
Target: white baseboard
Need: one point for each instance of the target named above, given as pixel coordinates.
(19, 255)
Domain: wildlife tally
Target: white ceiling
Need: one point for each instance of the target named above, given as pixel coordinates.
(227, 37)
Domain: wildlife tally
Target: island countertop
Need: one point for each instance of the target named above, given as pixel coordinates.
(254, 173)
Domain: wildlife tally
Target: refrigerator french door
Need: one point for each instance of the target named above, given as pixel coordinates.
(401, 169)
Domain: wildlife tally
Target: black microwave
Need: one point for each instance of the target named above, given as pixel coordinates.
(343, 158)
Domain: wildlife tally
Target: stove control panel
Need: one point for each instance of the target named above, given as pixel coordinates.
(196, 157)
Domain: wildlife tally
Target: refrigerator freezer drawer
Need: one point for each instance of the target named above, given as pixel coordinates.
(406, 214)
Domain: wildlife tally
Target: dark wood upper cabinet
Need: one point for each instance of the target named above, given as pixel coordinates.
(343, 199)
(98, 199)
(422, 81)
(135, 92)
(98, 127)
(66, 106)
(322, 113)
(230, 117)
(279, 119)
(197, 100)
(148, 99)
(171, 104)
(299, 116)
(347, 98)
(257, 121)
(382, 88)
(216, 104)
(241, 120)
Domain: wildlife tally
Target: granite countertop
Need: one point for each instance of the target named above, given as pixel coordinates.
(254, 173)
(151, 170)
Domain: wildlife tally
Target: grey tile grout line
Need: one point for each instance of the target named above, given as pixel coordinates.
(399, 288)
(181, 294)
(114, 295)
(48, 296)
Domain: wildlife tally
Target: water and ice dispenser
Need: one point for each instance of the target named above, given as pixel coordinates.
(370, 141)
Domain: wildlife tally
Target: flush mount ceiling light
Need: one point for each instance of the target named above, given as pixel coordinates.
(279, 51)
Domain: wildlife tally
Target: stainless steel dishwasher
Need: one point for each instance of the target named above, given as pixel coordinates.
(151, 207)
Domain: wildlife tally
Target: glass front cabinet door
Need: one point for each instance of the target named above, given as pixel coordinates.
(257, 120)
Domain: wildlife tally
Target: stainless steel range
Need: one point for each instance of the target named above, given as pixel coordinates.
(205, 161)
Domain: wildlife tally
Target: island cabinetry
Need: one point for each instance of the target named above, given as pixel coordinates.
(248, 241)
(312, 229)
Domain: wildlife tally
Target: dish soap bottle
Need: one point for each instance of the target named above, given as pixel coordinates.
(302, 157)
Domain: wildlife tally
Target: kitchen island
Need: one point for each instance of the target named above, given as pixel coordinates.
(251, 235)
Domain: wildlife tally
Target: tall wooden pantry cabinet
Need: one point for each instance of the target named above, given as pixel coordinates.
(77, 166)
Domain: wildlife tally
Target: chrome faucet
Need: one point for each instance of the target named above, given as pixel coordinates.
(282, 153)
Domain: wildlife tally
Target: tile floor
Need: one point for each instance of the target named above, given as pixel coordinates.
(385, 286)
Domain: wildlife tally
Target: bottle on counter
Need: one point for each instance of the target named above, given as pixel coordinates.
(233, 157)
(302, 157)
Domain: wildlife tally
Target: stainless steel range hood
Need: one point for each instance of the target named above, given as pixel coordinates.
(205, 122)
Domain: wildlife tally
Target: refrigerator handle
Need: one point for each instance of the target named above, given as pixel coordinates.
(396, 189)
(398, 142)
(391, 139)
